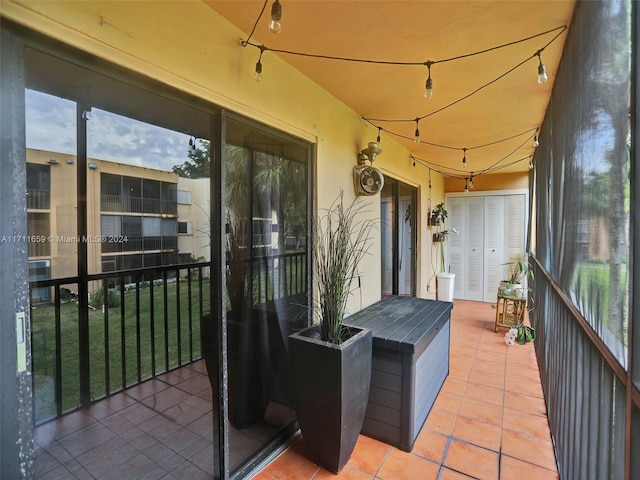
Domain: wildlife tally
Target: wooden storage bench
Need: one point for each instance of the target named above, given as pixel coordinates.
(410, 364)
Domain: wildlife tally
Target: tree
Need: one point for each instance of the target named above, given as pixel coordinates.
(199, 163)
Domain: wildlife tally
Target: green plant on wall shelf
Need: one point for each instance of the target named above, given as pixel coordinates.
(439, 215)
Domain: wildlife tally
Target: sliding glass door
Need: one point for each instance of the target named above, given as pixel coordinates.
(398, 238)
(170, 266)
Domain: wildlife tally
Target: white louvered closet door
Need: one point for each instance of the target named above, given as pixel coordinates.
(494, 240)
(492, 233)
(474, 288)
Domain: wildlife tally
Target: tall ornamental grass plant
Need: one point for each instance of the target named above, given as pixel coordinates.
(341, 242)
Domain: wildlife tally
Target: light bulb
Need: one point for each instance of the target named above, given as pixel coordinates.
(416, 137)
(471, 182)
(466, 186)
(428, 92)
(464, 161)
(276, 14)
(530, 164)
(275, 26)
(258, 75)
(378, 137)
(536, 142)
(542, 74)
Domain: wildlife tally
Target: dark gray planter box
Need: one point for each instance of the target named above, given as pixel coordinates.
(410, 363)
(330, 391)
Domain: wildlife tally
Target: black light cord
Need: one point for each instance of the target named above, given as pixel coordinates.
(391, 62)
(246, 42)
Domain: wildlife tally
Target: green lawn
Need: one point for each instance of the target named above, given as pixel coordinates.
(594, 281)
(43, 346)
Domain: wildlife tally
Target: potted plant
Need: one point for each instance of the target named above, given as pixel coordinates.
(517, 272)
(331, 361)
(445, 280)
(438, 215)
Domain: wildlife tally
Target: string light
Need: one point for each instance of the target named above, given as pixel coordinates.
(542, 70)
(258, 74)
(275, 26)
(464, 158)
(378, 137)
(276, 14)
(466, 186)
(192, 144)
(536, 141)
(471, 181)
(428, 91)
(530, 163)
(416, 136)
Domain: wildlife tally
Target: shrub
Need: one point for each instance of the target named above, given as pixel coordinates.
(97, 298)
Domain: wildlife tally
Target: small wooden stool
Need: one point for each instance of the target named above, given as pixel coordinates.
(510, 311)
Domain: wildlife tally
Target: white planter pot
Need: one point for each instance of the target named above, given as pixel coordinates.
(446, 282)
(515, 290)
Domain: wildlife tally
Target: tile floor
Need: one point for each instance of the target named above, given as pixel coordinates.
(159, 429)
(488, 422)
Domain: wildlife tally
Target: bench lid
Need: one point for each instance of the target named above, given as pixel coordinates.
(402, 324)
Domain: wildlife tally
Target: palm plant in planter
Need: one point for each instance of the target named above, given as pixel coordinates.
(444, 288)
(331, 361)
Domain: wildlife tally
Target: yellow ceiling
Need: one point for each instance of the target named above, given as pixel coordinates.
(417, 31)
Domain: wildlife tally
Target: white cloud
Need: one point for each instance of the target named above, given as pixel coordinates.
(51, 125)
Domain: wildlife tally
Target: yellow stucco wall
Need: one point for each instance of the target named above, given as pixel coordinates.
(189, 46)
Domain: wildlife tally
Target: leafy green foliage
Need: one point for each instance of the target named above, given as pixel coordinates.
(97, 298)
(199, 163)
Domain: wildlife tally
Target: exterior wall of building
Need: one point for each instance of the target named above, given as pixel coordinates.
(197, 240)
(58, 228)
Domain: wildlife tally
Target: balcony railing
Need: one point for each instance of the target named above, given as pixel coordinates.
(119, 203)
(141, 323)
(38, 199)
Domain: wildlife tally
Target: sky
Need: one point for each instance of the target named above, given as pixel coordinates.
(51, 126)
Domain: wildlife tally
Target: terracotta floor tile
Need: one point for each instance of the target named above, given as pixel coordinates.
(514, 469)
(485, 393)
(528, 448)
(460, 373)
(482, 411)
(430, 445)
(454, 386)
(478, 433)
(487, 377)
(368, 454)
(447, 474)
(461, 360)
(448, 402)
(472, 460)
(440, 421)
(528, 387)
(402, 466)
(295, 463)
(490, 356)
(348, 473)
(520, 361)
(525, 403)
(519, 421)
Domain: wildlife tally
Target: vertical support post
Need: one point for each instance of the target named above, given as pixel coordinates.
(16, 408)
(83, 270)
(218, 293)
